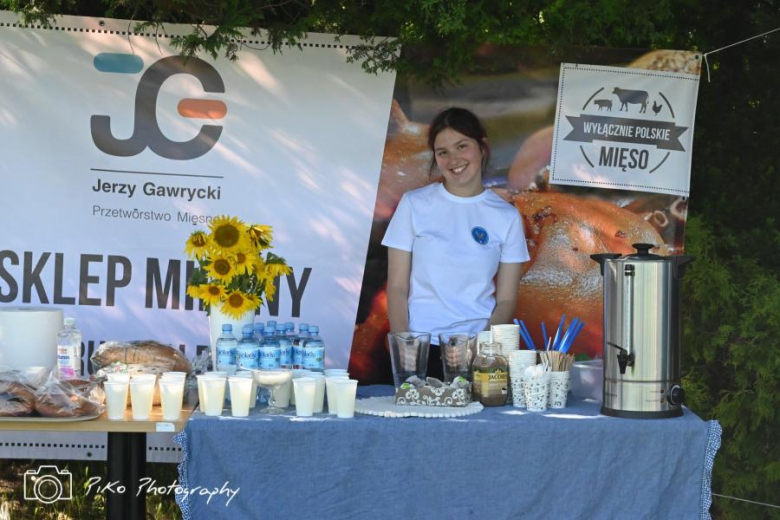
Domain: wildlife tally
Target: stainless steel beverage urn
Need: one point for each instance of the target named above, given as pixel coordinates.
(642, 333)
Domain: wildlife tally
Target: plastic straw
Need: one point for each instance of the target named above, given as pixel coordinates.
(572, 326)
(558, 332)
(527, 340)
(527, 334)
(544, 334)
(568, 344)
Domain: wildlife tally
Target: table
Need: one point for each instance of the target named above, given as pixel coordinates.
(126, 451)
(501, 463)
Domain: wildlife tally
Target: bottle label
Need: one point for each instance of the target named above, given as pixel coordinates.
(286, 355)
(226, 356)
(297, 353)
(248, 358)
(68, 361)
(314, 357)
(490, 384)
(270, 357)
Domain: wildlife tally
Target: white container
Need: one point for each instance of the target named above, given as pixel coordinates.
(346, 391)
(559, 389)
(587, 379)
(28, 336)
(214, 395)
(304, 388)
(330, 390)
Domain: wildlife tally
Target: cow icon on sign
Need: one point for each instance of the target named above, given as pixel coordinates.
(632, 97)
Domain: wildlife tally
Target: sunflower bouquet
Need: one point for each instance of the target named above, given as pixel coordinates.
(235, 267)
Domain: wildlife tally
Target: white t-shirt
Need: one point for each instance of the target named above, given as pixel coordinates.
(456, 245)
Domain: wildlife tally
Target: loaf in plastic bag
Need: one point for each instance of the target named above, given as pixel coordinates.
(140, 353)
(69, 398)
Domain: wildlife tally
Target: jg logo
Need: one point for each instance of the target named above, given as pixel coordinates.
(146, 131)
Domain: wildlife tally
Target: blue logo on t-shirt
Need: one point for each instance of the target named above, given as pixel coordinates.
(480, 235)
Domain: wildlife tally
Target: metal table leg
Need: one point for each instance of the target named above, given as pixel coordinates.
(126, 461)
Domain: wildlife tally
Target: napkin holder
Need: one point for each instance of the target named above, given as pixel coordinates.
(432, 392)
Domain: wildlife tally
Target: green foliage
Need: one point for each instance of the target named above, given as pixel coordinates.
(731, 364)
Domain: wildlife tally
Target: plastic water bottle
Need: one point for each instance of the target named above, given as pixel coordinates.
(285, 347)
(314, 351)
(248, 351)
(227, 345)
(69, 350)
(259, 327)
(303, 335)
(270, 352)
(270, 323)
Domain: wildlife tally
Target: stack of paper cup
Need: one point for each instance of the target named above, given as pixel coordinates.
(559, 389)
(508, 336)
(519, 360)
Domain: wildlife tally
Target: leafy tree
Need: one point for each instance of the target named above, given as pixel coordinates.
(731, 353)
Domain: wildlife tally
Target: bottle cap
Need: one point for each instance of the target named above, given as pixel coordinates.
(69, 321)
(247, 329)
(314, 328)
(227, 327)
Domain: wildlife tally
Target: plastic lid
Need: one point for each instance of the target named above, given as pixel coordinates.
(289, 325)
(303, 326)
(227, 327)
(69, 321)
(643, 253)
(314, 328)
(259, 326)
(247, 329)
(271, 323)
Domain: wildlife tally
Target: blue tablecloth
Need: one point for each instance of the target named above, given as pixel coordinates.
(501, 463)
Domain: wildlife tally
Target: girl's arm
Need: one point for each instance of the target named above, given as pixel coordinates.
(507, 282)
(399, 269)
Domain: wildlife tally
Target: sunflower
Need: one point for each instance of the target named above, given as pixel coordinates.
(236, 304)
(254, 301)
(228, 234)
(221, 269)
(212, 293)
(261, 236)
(271, 271)
(193, 291)
(270, 290)
(197, 244)
(244, 261)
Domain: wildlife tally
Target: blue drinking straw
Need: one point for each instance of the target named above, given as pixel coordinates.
(571, 339)
(544, 334)
(527, 334)
(558, 332)
(569, 330)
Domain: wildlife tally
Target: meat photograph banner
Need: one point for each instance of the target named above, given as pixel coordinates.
(515, 91)
(624, 129)
(116, 148)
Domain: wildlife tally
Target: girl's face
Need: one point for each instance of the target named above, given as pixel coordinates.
(459, 159)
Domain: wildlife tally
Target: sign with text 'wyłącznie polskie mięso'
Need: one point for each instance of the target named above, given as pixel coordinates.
(623, 128)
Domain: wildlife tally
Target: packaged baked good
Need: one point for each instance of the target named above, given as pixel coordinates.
(71, 398)
(17, 398)
(141, 353)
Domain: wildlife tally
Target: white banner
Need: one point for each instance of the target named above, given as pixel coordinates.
(626, 129)
(115, 149)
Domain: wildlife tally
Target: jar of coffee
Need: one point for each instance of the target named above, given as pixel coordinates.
(491, 375)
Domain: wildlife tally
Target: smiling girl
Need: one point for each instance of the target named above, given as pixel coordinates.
(454, 248)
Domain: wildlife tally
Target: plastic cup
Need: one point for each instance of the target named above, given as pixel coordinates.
(408, 355)
(182, 375)
(282, 394)
(214, 395)
(241, 393)
(116, 399)
(319, 391)
(331, 392)
(559, 389)
(171, 397)
(304, 388)
(119, 377)
(141, 394)
(346, 391)
(201, 395)
(335, 372)
(253, 395)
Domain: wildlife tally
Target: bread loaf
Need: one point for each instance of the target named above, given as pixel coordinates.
(16, 399)
(147, 353)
